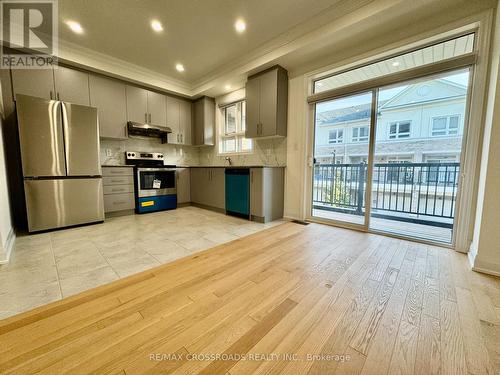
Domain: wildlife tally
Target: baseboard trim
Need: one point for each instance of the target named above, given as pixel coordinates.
(9, 246)
(210, 208)
(486, 271)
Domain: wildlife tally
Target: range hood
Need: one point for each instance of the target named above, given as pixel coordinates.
(145, 130)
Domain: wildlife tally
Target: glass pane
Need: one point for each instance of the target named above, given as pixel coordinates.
(414, 191)
(453, 122)
(230, 145)
(438, 52)
(246, 144)
(439, 123)
(404, 127)
(230, 119)
(339, 177)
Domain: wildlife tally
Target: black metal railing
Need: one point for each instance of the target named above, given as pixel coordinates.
(423, 193)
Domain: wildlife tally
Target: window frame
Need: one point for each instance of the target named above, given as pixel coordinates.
(397, 135)
(447, 126)
(239, 132)
(337, 130)
(359, 138)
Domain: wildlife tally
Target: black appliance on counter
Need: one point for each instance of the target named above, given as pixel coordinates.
(155, 183)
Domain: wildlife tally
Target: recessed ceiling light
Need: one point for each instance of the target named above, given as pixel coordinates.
(395, 63)
(157, 26)
(75, 27)
(240, 25)
(227, 87)
(179, 67)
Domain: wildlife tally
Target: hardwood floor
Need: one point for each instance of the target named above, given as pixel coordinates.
(292, 299)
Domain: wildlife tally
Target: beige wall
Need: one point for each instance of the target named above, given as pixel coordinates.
(485, 249)
(5, 217)
(296, 145)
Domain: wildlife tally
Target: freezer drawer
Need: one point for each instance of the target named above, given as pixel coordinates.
(58, 203)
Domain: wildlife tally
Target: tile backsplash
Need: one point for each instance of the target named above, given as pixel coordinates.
(174, 154)
(266, 152)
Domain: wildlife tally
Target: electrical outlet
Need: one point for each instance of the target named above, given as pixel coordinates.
(108, 152)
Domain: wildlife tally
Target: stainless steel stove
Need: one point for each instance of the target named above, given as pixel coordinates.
(155, 182)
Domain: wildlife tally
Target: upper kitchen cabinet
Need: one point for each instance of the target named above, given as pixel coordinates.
(179, 120)
(71, 85)
(34, 82)
(173, 120)
(59, 84)
(137, 104)
(204, 122)
(109, 97)
(146, 107)
(157, 109)
(185, 120)
(266, 103)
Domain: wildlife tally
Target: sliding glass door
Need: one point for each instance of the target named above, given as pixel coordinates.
(409, 170)
(341, 147)
(417, 153)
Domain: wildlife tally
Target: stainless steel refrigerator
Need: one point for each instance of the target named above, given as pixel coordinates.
(60, 158)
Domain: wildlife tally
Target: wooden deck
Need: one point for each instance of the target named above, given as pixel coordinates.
(293, 293)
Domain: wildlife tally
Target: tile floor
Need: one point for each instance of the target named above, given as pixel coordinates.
(50, 266)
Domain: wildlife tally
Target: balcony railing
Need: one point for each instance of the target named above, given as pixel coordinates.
(422, 193)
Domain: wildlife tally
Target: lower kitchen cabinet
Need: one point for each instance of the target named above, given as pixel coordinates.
(118, 187)
(266, 194)
(183, 176)
(208, 187)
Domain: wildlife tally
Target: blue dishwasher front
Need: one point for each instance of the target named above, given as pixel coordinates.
(238, 191)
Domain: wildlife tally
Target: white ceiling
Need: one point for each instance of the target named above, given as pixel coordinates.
(199, 34)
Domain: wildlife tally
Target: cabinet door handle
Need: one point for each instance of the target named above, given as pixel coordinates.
(150, 118)
(145, 117)
(58, 96)
(182, 138)
(50, 94)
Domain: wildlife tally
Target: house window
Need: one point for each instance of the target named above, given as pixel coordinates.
(445, 125)
(232, 135)
(336, 136)
(399, 130)
(360, 134)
